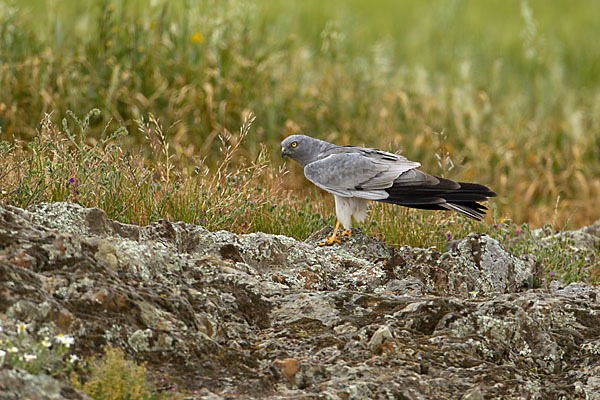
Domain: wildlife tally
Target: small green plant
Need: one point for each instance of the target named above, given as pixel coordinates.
(561, 259)
(48, 356)
(114, 378)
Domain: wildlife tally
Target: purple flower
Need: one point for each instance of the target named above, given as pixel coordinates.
(72, 180)
(449, 236)
(551, 274)
(133, 223)
(202, 221)
(517, 232)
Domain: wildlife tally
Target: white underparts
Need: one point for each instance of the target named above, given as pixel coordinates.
(347, 208)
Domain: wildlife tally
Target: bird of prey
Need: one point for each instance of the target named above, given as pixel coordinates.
(355, 175)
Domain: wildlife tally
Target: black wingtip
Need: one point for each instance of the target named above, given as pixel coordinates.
(462, 197)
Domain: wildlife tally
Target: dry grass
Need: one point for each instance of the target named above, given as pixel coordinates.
(515, 100)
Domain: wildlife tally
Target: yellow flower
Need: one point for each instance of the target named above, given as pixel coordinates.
(197, 38)
(501, 220)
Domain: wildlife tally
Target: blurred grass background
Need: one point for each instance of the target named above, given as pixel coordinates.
(506, 93)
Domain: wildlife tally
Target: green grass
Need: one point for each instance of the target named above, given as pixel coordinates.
(503, 93)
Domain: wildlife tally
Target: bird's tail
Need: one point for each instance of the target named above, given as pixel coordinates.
(434, 193)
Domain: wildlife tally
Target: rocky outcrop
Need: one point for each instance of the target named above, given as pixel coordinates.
(257, 315)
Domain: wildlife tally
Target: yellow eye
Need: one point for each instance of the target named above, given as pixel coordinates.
(294, 144)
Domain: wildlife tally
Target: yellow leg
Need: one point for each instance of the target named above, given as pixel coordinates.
(333, 238)
(347, 232)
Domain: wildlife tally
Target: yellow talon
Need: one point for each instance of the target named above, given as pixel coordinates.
(333, 238)
(330, 240)
(347, 232)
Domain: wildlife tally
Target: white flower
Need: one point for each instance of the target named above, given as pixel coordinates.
(13, 350)
(65, 339)
(73, 358)
(46, 342)
(22, 328)
(29, 357)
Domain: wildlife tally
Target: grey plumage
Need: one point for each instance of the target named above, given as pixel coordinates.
(356, 174)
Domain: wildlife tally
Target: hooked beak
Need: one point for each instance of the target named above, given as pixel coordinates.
(283, 152)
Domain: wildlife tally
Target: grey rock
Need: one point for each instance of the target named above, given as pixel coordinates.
(381, 336)
(255, 316)
(17, 384)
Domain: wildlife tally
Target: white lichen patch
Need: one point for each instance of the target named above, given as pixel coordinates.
(63, 217)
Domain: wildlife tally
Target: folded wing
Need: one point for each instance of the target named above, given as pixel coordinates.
(362, 174)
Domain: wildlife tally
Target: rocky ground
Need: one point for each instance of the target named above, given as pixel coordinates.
(265, 316)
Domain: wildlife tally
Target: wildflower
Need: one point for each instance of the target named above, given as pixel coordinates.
(46, 342)
(73, 358)
(21, 328)
(13, 350)
(517, 232)
(449, 236)
(551, 274)
(202, 221)
(65, 339)
(197, 38)
(501, 220)
(72, 180)
(29, 357)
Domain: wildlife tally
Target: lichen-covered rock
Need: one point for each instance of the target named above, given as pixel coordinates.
(16, 384)
(254, 316)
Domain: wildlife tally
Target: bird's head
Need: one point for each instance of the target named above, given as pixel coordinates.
(300, 148)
